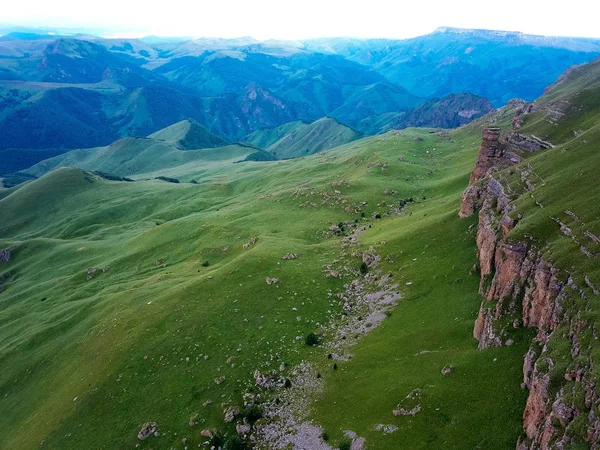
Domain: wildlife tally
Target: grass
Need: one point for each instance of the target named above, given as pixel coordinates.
(96, 359)
(430, 329)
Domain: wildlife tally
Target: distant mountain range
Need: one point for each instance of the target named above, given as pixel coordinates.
(81, 91)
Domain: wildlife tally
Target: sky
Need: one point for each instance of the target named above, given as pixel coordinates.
(270, 19)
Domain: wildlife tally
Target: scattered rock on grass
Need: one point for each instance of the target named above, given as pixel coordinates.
(447, 369)
(194, 420)
(270, 281)
(407, 412)
(231, 413)
(251, 242)
(243, 428)
(263, 380)
(219, 380)
(147, 430)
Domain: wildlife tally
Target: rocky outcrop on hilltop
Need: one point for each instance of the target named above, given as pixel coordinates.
(523, 289)
(493, 155)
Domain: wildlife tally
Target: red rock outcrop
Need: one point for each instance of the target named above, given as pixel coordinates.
(520, 285)
(490, 154)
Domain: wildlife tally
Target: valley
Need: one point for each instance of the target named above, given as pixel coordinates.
(335, 256)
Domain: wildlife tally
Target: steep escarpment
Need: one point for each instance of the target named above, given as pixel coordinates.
(524, 288)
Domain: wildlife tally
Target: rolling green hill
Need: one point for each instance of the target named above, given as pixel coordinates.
(302, 139)
(268, 136)
(188, 135)
(134, 156)
(114, 289)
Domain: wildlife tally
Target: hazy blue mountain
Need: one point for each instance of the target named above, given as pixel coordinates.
(86, 91)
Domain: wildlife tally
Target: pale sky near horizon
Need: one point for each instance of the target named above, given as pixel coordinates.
(265, 19)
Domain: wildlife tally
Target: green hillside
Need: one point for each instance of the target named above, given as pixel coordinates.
(188, 135)
(128, 303)
(375, 99)
(268, 136)
(554, 194)
(307, 139)
(84, 354)
(134, 156)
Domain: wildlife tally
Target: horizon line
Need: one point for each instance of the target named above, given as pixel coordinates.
(122, 34)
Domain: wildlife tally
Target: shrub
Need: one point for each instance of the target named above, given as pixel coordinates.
(364, 268)
(334, 366)
(253, 413)
(345, 444)
(288, 383)
(234, 442)
(167, 179)
(217, 439)
(312, 339)
(205, 264)
(325, 436)
(378, 216)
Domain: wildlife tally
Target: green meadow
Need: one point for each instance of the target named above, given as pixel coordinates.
(125, 302)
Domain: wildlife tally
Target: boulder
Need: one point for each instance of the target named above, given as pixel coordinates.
(243, 428)
(407, 412)
(263, 380)
(251, 242)
(147, 430)
(446, 370)
(4, 256)
(231, 413)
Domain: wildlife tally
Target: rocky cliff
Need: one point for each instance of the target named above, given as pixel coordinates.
(522, 289)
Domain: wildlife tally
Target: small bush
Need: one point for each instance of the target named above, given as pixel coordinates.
(234, 442)
(217, 439)
(364, 268)
(253, 413)
(167, 179)
(205, 264)
(312, 339)
(378, 216)
(288, 383)
(325, 436)
(334, 366)
(345, 444)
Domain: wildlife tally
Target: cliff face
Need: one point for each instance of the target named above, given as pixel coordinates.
(523, 289)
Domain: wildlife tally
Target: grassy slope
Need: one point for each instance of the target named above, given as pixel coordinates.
(88, 339)
(268, 136)
(434, 251)
(387, 366)
(312, 138)
(376, 99)
(132, 156)
(189, 135)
